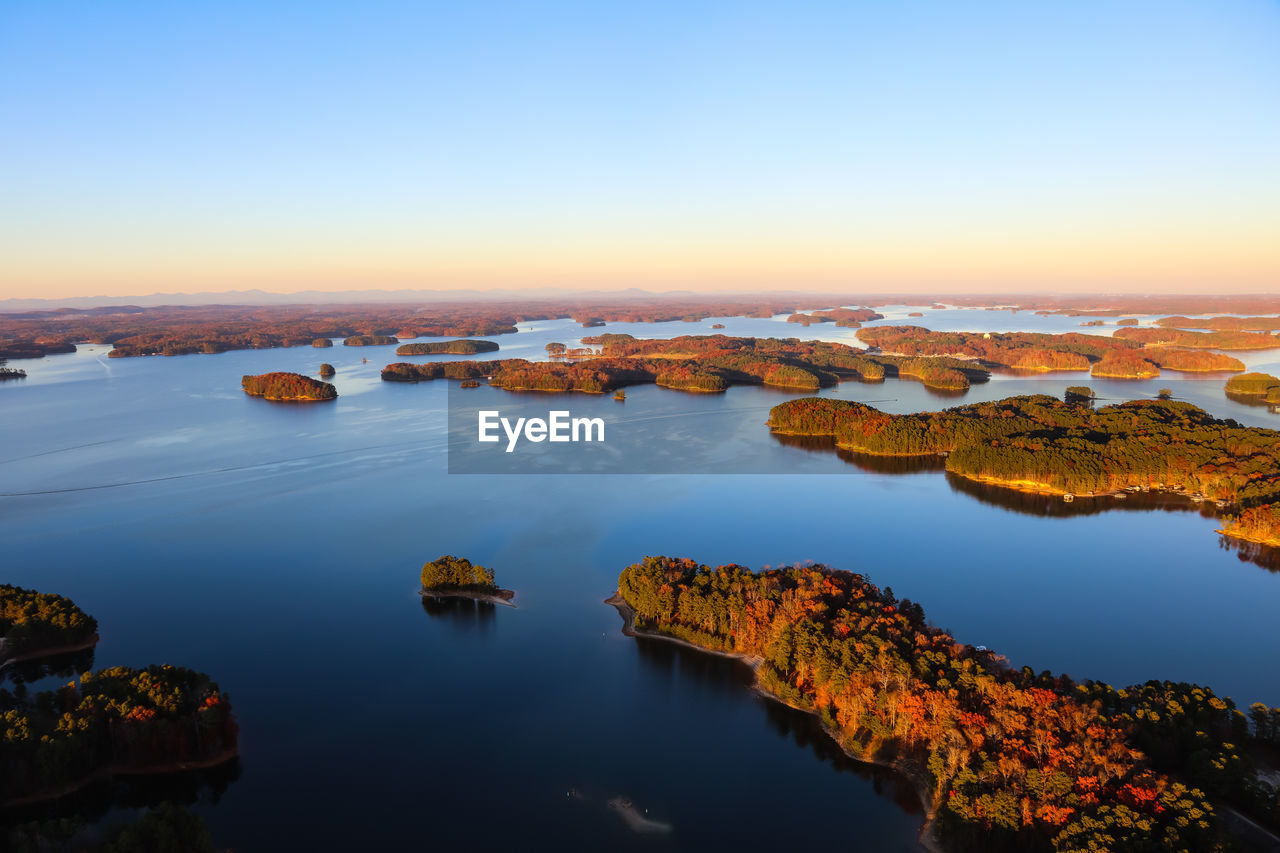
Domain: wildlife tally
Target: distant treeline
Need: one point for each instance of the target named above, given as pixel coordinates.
(1007, 759)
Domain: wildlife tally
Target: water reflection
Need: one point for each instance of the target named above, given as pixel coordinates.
(729, 677)
(94, 803)
(461, 612)
(1252, 400)
(1266, 556)
(863, 461)
(68, 665)
(807, 733)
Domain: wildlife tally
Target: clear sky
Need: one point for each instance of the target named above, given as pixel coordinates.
(913, 144)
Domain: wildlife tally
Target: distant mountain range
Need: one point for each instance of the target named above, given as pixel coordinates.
(263, 297)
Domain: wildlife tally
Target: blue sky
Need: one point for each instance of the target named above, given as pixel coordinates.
(914, 145)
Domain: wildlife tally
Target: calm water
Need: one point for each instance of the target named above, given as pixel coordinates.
(277, 547)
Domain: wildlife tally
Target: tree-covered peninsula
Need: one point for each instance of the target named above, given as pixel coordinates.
(458, 576)
(1132, 353)
(707, 363)
(1042, 443)
(113, 722)
(36, 624)
(287, 387)
(1004, 759)
(463, 347)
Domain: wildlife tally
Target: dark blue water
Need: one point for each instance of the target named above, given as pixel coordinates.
(277, 547)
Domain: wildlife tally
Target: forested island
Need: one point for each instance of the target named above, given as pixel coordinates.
(450, 576)
(1003, 759)
(702, 363)
(39, 624)
(1131, 353)
(113, 722)
(1068, 447)
(12, 373)
(326, 369)
(370, 341)
(1263, 386)
(463, 347)
(287, 387)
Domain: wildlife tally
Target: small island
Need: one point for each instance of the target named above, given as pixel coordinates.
(287, 387)
(1078, 394)
(326, 369)
(458, 577)
(40, 624)
(469, 383)
(12, 373)
(322, 342)
(467, 346)
(1261, 385)
(370, 341)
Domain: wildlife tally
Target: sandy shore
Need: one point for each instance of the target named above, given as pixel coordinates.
(501, 596)
(928, 831)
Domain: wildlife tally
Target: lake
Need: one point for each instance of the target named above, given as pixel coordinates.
(277, 547)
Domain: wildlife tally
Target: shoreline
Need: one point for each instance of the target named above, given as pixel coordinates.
(1245, 537)
(501, 596)
(90, 643)
(112, 770)
(927, 837)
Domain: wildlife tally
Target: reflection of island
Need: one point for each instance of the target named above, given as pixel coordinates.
(1071, 450)
(458, 577)
(891, 689)
(287, 387)
(462, 611)
(35, 625)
